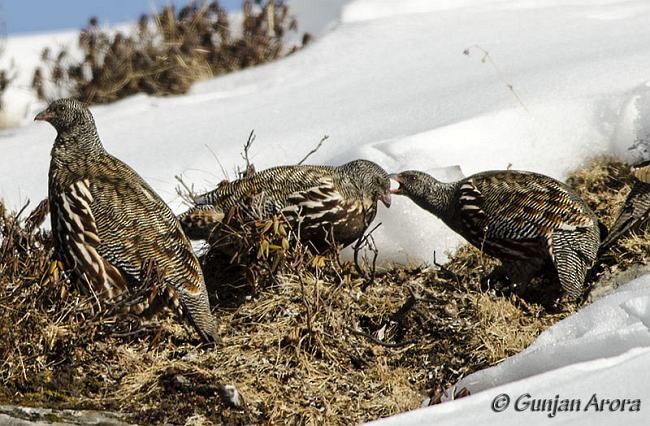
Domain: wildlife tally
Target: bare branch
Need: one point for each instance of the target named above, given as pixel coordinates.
(310, 153)
(366, 241)
(37, 216)
(250, 169)
(186, 193)
(23, 208)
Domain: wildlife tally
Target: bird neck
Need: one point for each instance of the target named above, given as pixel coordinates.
(438, 199)
(79, 142)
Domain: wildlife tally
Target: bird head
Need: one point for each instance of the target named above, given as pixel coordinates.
(370, 178)
(411, 183)
(62, 114)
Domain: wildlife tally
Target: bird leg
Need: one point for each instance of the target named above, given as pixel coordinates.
(512, 277)
(55, 274)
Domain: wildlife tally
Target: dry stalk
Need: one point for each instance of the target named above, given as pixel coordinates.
(313, 151)
(250, 168)
(366, 242)
(487, 58)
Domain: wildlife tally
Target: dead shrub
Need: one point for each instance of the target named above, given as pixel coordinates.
(166, 53)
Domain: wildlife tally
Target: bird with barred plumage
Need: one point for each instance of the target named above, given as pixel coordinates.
(636, 208)
(323, 204)
(522, 218)
(108, 224)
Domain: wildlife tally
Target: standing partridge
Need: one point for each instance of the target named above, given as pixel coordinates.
(322, 203)
(522, 218)
(108, 224)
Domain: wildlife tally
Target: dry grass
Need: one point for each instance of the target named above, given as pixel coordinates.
(604, 185)
(7, 77)
(316, 343)
(166, 53)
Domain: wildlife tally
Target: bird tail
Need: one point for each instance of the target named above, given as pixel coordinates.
(573, 254)
(635, 211)
(198, 222)
(192, 303)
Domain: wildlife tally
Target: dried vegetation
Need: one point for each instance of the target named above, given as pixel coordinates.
(166, 53)
(312, 340)
(7, 77)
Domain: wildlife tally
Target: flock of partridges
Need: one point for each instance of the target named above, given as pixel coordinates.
(108, 224)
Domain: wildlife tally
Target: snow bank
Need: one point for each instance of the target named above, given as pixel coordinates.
(608, 391)
(603, 350)
(20, 57)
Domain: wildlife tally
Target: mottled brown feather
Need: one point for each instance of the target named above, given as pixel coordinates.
(108, 222)
(328, 202)
(518, 217)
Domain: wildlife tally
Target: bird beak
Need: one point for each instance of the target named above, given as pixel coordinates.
(44, 115)
(395, 178)
(385, 198)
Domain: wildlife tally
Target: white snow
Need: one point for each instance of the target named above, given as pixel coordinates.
(603, 350)
(388, 81)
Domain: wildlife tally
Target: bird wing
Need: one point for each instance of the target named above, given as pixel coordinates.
(135, 226)
(500, 207)
(270, 190)
(78, 239)
(320, 203)
(572, 260)
(325, 216)
(199, 221)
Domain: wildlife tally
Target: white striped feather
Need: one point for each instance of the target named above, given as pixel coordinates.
(314, 203)
(77, 230)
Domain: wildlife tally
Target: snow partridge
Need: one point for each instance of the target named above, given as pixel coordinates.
(636, 208)
(524, 219)
(322, 203)
(108, 223)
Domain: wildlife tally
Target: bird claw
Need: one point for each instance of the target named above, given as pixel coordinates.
(498, 281)
(55, 270)
(55, 274)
